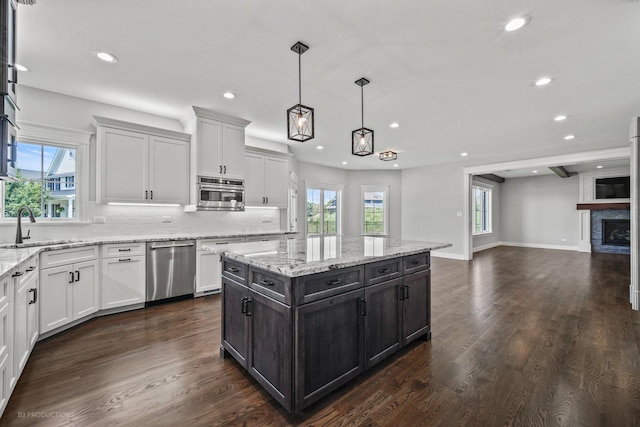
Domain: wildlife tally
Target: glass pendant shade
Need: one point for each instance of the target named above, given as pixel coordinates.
(300, 122)
(362, 139)
(388, 155)
(362, 142)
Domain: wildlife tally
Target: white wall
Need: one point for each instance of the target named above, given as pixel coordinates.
(432, 196)
(540, 211)
(486, 240)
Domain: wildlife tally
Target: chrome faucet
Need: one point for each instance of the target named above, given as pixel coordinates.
(19, 237)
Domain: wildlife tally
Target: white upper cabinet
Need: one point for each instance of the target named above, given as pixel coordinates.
(267, 179)
(141, 164)
(217, 144)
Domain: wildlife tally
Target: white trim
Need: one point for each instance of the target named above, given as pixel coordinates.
(487, 246)
(136, 127)
(448, 255)
(540, 246)
(385, 207)
(588, 185)
(39, 133)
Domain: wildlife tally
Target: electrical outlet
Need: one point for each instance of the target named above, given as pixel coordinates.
(99, 220)
(459, 214)
(217, 219)
(167, 218)
(564, 240)
(267, 219)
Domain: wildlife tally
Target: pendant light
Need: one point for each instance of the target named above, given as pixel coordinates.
(300, 123)
(362, 139)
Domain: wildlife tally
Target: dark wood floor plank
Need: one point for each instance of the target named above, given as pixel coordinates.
(520, 337)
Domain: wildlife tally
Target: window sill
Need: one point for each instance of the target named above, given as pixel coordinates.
(375, 234)
(488, 233)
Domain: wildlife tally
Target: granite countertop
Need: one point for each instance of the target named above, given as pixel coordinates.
(304, 256)
(11, 258)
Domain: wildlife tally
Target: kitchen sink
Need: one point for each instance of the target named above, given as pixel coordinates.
(40, 243)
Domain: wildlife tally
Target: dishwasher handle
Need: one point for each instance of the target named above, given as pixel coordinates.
(184, 245)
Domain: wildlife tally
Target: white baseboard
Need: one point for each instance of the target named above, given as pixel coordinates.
(487, 246)
(540, 246)
(437, 254)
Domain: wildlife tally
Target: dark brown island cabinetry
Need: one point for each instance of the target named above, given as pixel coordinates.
(302, 337)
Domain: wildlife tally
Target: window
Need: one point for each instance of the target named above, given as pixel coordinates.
(374, 209)
(481, 210)
(323, 210)
(45, 181)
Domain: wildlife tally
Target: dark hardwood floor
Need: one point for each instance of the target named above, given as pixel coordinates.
(524, 337)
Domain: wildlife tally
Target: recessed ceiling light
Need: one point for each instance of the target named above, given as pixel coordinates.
(599, 167)
(569, 137)
(20, 67)
(396, 165)
(534, 171)
(464, 154)
(229, 95)
(543, 81)
(319, 147)
(516, 23)
(106, 57)
(560, 117)
(344, 163)
(394, 125)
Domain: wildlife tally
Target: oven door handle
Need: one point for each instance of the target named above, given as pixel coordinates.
(220, 187)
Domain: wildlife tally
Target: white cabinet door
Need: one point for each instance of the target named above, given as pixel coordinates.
(20, 340)
(254, 180)
(208, 271)
(209, 148)
(276, 181)
(55, 297)
(6, 340)
(33, 311)
(85, 297)
(123, 166)
(123, 281)
(233, 151)
(168, 170)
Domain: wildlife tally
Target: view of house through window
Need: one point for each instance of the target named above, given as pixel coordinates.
(45, 182)
(481, 210)
(322, 211)
(374, 211)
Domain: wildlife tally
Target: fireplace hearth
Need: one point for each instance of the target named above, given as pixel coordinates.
(616, 232)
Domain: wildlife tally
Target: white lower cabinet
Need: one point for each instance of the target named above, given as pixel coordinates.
(208, 268)
(6, 340)
(69, 291)
(25, 319)
(123, 275)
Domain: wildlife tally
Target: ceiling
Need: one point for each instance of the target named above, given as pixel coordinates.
(586, 167)
(446, 71)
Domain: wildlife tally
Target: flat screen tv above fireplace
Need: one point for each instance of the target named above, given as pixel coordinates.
(613, 188)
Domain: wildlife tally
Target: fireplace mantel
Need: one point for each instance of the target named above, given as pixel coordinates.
(600, 206)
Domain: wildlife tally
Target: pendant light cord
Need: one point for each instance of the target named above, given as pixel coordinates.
(300, 78)
(362, 109)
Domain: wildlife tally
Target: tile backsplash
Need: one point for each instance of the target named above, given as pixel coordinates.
(108, 220)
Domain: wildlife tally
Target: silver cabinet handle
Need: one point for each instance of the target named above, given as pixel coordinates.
(185, 245)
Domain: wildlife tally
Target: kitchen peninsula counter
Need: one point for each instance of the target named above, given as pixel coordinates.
(305, 316)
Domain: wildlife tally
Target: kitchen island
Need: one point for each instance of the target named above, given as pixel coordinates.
(305, 316)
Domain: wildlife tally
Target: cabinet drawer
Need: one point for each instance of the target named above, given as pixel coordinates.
(418, 262)
(234, 270)
(113, 250)
(383, 270)
(269, 238)
(270, 284)
(222, 243)
(323, 285)
(68, 256)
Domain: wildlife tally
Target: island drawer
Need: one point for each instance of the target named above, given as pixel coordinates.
(234, 270)
(322, 285)
(113, 250)
(382, 271)
(56, 258)
(417, 262)
(270, 284)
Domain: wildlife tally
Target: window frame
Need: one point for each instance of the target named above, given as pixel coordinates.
(324, 186)
(385, 208)
(36, 133)
(489, 189)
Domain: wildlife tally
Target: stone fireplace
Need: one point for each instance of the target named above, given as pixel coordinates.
(605, 226)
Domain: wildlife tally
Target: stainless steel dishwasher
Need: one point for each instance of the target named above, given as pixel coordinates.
(171, 269)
